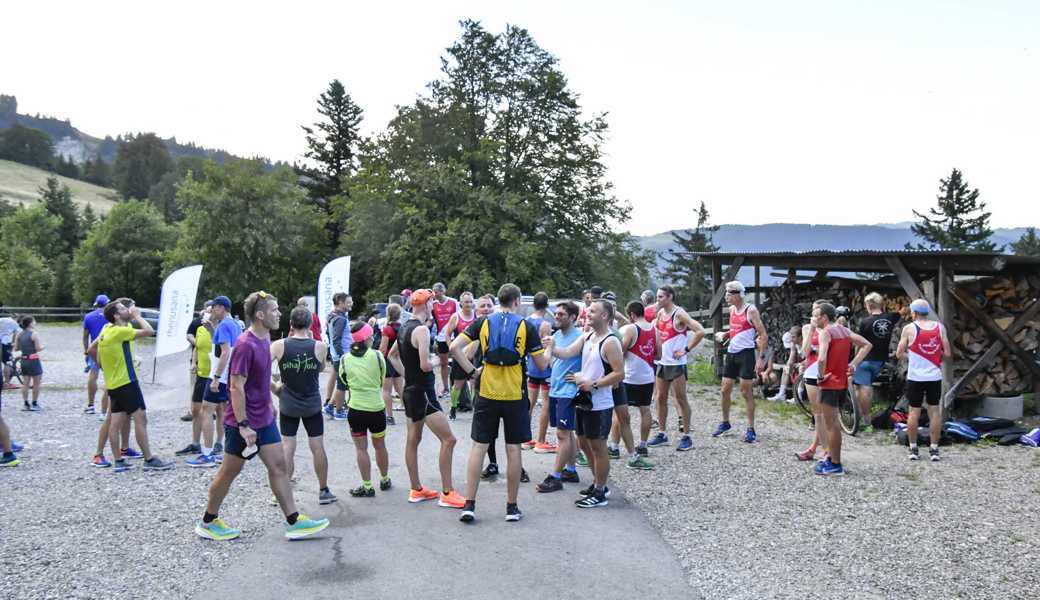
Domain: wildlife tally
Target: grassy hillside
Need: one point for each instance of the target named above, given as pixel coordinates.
(20, 183)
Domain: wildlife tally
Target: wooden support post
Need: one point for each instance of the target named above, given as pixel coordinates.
(942, 285)
(758, 286)
(792, 276)
(716, 315)
(720, 283)
(904, 277)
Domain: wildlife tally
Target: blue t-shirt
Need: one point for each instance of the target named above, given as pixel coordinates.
(558, 387)
(227, 332)
(532, 368)
(94, 322)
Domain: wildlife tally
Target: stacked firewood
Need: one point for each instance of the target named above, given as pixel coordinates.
(1002, 298)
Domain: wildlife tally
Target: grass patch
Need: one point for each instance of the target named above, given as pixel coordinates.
(701, 372)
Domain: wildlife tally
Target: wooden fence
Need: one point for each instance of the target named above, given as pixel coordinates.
(43, 313)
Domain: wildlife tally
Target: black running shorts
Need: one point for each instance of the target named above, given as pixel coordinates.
(639, 394)
(740, 365)
(919, 392)
(514, 415)
(314, 425)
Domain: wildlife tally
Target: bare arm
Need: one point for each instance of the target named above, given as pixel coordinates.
(421, 340)
(458, 349)
(394, 356)
(904, 342)
(145, 329)
(629, 335)
(238, 407)
(864, 348)
(756, 321)
(277, 348)
(92, 349)
(449, 329)
(321, 350)
(947, 348)
(225, 356)
(694, 326)
(86, 340)
(36, 342)
(615, 357)
(570, 351)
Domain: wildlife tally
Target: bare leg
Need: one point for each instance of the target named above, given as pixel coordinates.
(935, 424)
(513, 467)
(364, 463)
(218, 425)
(543, 416)
(91, 387)
(37, 380)
(912, 419)
(382, 458)
(388, 400)
(438, 424)
(727, 397)
(644, 424)
(320, 460)
(599, 461)
(5, 437)
(196, 422)
(749, 399)
(565, 451)
(221, 483)
(679, 389)
(117, 419)
(830, 416)
(207, 424)
(274, 459)
(411, 453)
(443, 360)
(473, 466)
(820, 435)
(623, 421)
(141, 432)
(103, 437)
(289, 447)
(865, 394)
(124, 433)
(661, 395)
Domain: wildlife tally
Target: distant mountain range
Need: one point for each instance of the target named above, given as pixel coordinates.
(77, 146)
(798, 237)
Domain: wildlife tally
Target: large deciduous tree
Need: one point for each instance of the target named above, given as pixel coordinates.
(141, 161)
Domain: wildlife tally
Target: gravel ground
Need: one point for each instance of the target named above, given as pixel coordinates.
(750, 521)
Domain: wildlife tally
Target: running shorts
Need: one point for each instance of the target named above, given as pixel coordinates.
(235, 444)
(314, 425)
(457, 374)
(620, 399)
(514, 415)
(126, 398)
(833, 397)
(391, 372)
(217, 397)
(442, 347)
(671, 372)
(365, 421)
(539, 382)
(561, 412)
(867, 372)
(919, 392)
(594, 424)
(639, 394)
(420, 400)
(198, 391)
(812, 381)
(740, 365)
(32, 367)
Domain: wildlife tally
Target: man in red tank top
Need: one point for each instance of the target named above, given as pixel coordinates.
(836, 343)
(443, 308)
(925, 343)
(745, 339)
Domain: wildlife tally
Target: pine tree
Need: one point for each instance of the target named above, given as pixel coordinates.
(57, 199)
(692, 278)
(332, 149)
(959, 221)
(97, 172)
(89, 219)
(1028, 244)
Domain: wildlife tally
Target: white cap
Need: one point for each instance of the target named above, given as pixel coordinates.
(920, 306)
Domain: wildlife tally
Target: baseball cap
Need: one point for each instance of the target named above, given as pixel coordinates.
(101, 300)
(920, 306)
(420, 297)
(610, 297)
(222, 301)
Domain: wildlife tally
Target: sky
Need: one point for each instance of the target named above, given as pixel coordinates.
(841, 112)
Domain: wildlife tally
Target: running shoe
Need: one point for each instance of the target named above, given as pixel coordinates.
(10, 461)
(89, 410)
(826, 467)
(592, 490)
(490, 471)
(385, 484)
(723, 427)
(545, 448)
(36, 407)
(933, 454)
(26, 407)
(304, 527)
(216, 530)
(513, 513)
(327, 497)
(157, 464)
(639, 463)
(685, 444)
(340, 415)
(186, 417)
(580, 459)
(593, 500)
(121, 465)
(203, 461)
(189, 449)
(867, 429)
(451, 414)
(451, 500)
(659, 439)
(913, 454)
(749, 435)
(422, 495)
(528, 445)
(806, 455)
(16, 447)
(218, 449)
(550, 484)
(614, 453)
(468, 514)
(100, 462)
(390, 420)
(570, 476)
(524, 477)
(131, 454)
(329, 410)
(642, 451)
(777, 397)
(102, 416)
(358, 492)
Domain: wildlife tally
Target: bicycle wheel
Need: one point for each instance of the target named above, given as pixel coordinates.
(848, 414)
(16, 371)
(802, 397)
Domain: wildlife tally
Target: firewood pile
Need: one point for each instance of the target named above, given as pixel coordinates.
(1002, 298)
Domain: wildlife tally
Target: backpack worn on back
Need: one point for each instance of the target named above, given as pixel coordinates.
(504, 334)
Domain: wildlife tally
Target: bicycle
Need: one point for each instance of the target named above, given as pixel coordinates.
(848, 411)
(12, 365)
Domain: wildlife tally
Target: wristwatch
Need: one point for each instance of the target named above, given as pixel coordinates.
(243, 423)
(595, 385)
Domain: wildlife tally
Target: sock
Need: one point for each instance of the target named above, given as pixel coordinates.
(555, 474)
(208, 517)
(510, 505)
(384, 478)
(642, 444)
(613, 446)
(446, 492)
(291, 519)
(913, 446)
(208, 451)
(367, 484)
(455, 397)
(470, 505)
(572, 468)
(600, 489)
(934, 446)
(324, 489)
(633, 455)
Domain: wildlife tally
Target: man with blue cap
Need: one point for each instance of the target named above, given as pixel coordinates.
(214, 401)
(925, 343)
(93, 323)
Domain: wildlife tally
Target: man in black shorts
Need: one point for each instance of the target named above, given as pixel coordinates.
(506, 339)
(746, 334)
(411, 356)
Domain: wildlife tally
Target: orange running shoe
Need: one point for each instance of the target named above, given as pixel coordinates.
(451, 500)
(545, 448)
(422, 495)
(528, 445)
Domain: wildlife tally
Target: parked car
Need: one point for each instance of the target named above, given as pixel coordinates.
(152, 316)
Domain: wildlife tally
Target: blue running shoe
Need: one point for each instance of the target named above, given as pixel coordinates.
(132, 454)
(328, 410)
(203, 461)
(749, 435)
(218, 448)
(217, 530)
(826, 467)
(659, 439)
(723, 427)
(340, 415)
(685, 444)
(121, 466)
(16, 447)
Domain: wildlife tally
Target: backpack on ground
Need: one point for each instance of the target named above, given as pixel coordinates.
(504, 334)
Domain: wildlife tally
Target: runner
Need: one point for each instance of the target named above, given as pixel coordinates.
(836, 344)
(32, 369)
(811, 374)
(201, 339)
(443, 308)
(300, 361)
(586, 301)
(113, 350)
(505, 340)
(538, 379)
(411, 356)
(315, 321)
(8, 331)
(393, 380)
(9, 458)
(925, 343)
(363, 370)
(621, 423)
(485, 306)
(673, 328)
(249, 422)
(602, 367)
(226, 332)
(561, 400)
(877, 329)
(650, 307)
(792, 341)
(746, 332)
(335, 324)
(93, 323)
(639, 344)
(456, 325)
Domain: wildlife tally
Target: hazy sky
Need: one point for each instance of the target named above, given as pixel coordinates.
(818, 112)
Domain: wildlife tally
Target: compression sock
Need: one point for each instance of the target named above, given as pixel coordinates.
(367, 484)
(384, 478)
(291, 519)
(455, 397)
(208, 517)
(492, 456)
